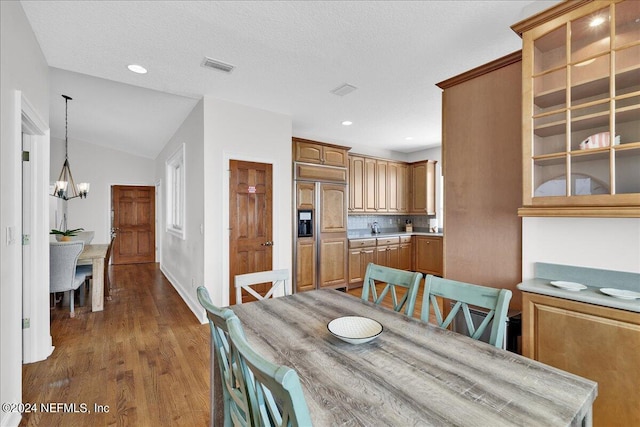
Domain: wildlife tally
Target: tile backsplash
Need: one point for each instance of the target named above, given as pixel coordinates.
(387, 222)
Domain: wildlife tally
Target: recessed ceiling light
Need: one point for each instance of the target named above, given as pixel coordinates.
(409, 138)
(347, 123)
(598, 20)
(139, 69)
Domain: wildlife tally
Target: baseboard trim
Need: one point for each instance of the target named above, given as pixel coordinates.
(191, 302)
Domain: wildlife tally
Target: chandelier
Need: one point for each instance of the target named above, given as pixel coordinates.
(66, 188)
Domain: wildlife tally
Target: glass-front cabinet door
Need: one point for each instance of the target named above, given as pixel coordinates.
(581, 127)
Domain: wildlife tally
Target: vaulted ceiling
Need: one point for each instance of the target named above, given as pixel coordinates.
(288, 57)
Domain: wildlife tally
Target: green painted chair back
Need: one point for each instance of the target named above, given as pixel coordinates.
(407, 281)
(496, 301)
(234, 398)
(267, 383)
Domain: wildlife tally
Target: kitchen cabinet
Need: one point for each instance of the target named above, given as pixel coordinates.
(397, 187)
(381, 186)
(405, 253)
(320, 260)
(361, 253)
(581, 110)
(319, 153)
(423, 188)
(378, 186)
(305, 264)
(356, 184)
(594, 342)
(428, 254)
(388, 251)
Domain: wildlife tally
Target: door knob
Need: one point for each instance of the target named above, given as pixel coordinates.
(267, 243)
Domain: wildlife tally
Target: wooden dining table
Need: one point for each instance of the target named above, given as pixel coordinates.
(413, 373)
(95, 254)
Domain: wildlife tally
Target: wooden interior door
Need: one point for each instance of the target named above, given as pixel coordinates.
(134, 221)
(250, 220)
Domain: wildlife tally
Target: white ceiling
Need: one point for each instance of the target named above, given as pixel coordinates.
(288, 55)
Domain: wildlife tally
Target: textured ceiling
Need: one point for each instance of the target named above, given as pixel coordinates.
(288, 57)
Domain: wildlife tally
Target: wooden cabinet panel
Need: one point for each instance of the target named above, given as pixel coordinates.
(370, 193)
(405, 258)
(308, 152)
(359, 258)
(428, 255)
(316, 152)
(305, 265)
(333, 262)
(423, 188)
(381, 185)
(402, 187)
(333, 202)
(356, 184)
(334, 156)
(305, 199)
(388, 255)
(599, 343)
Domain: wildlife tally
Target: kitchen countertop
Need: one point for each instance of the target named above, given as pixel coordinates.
(593, 279)
(366, 234)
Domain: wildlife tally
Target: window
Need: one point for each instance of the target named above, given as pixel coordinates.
(176, 193)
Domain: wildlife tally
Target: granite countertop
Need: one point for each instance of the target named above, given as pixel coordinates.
(593, 279)
(367, 234)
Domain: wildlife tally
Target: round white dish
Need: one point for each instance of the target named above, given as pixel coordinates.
(355, 329)
(569, 286)
(620, 293)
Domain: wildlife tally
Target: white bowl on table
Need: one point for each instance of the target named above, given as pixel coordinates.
(355, 329)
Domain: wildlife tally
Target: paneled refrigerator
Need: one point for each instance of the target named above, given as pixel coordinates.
(320, 227)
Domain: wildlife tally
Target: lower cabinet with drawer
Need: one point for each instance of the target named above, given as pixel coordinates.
(361, 253)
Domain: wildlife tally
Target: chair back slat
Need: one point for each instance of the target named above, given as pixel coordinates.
(393, 279)
(494, 301)
(274, 391)
(234, 398)
(277, 278)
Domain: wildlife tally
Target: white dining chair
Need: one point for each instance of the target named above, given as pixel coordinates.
(277, 278)
(63, 277)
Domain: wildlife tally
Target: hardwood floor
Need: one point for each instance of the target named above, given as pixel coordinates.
(144, 359)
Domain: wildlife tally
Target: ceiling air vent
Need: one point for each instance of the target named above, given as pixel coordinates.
(344, 89)
(217, 65)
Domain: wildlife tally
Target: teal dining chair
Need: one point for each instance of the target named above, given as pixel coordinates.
(267, 383)
(234, 399)
(408, 283)
(496, 301)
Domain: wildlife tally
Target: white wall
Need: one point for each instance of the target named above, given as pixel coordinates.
(22, 68)
(605, 243)
(102, 167)
(238, 132)
(182, 261)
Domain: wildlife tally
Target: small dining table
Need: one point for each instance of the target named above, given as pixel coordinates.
(413, 373)
(95, 254)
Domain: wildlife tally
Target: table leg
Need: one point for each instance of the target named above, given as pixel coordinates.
(97, 291)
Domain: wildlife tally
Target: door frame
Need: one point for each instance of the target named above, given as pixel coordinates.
(276, 259)
(36, 339)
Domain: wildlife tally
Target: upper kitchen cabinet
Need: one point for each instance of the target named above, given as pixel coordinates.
(581, 110)
(423, 188)
(377, 185)
(322, 154)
